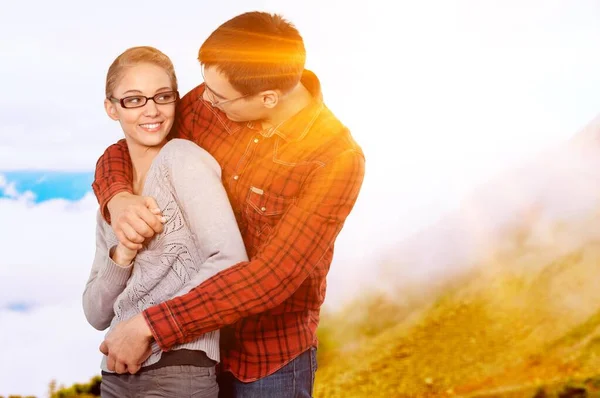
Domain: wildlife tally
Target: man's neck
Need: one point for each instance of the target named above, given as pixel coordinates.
(288, 106)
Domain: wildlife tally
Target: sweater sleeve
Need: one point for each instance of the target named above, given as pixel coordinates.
(196, 179)
(107, 279)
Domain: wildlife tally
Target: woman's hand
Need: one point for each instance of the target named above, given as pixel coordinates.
(123, 255)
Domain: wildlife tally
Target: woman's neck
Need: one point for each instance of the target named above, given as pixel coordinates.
(141, 160)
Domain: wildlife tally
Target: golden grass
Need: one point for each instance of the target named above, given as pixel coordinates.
(506, 328)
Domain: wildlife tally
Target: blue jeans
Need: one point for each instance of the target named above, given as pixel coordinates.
(294, 380)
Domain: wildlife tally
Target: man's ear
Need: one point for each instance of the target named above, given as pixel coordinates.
(111, 109)
(270, 98)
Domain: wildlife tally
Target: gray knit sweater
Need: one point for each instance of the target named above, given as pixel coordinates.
(200, 238)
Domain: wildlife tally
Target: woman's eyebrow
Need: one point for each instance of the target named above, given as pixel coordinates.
(132, 91)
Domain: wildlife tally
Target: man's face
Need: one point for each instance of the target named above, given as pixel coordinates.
(223, 96)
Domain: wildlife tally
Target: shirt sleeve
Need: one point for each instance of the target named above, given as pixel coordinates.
(114, 174)
(300, 240)
(106, 282)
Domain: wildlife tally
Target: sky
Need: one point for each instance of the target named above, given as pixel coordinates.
(441, 95)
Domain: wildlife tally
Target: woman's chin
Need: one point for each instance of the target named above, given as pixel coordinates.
(151, 142)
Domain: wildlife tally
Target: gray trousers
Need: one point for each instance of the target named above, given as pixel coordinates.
(168, 382)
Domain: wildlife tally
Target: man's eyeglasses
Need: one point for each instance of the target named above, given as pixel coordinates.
(137, 101)
(211, 95)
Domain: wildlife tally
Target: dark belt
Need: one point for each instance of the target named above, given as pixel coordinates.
(181, 357)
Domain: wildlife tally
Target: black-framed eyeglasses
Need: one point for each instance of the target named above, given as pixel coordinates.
(137, 101)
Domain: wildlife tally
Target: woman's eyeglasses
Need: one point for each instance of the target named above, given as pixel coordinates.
(137, 101)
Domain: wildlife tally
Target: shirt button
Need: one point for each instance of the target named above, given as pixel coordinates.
(236, 177)
(263, 209)
(256, 140)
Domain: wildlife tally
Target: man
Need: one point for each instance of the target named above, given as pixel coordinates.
(292, 172)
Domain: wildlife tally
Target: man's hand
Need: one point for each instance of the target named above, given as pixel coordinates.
(128, 345)
(134, 219)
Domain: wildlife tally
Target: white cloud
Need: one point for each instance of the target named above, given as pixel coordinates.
(551, 199)
(51, 342)
(436, 86)
(9, 190)
(50, 247)
(53, 117)
(47, 254)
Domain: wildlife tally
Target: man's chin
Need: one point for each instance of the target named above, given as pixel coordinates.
(233, 118)
(239, 119)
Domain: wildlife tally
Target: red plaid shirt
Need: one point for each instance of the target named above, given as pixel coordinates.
(291, 189)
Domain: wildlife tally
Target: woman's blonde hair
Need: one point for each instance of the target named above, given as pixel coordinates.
(135, 56)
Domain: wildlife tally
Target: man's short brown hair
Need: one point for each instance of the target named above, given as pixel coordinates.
(256, 51)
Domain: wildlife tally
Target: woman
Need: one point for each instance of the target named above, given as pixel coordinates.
(200, 236)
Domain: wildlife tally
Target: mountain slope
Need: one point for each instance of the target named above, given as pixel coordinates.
(526, 316)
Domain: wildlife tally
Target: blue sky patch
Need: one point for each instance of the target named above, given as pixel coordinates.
(48, 185)
(19, 306)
